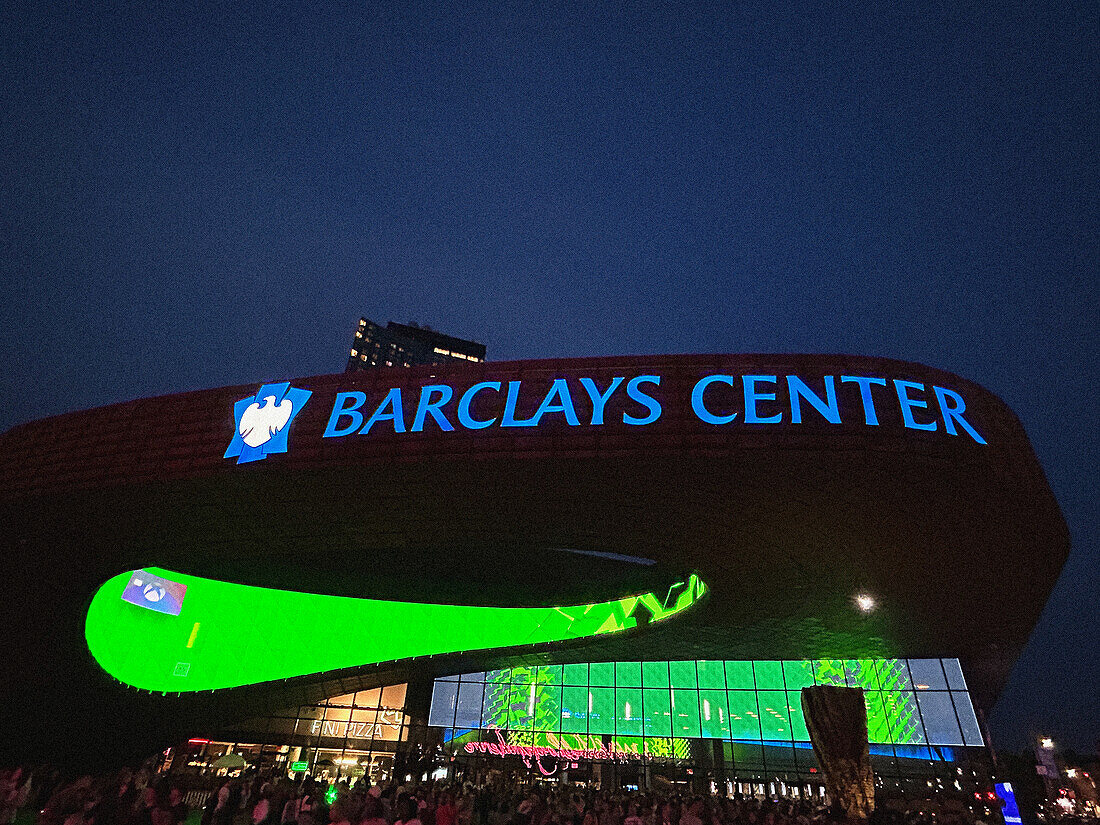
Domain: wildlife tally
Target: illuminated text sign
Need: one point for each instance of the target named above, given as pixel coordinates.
(532, 755)
(387, 726)
(718, 399)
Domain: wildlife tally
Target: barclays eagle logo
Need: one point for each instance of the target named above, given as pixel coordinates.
(263, 421)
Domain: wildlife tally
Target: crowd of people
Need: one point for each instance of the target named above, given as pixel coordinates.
(140, 798)
(125, 798)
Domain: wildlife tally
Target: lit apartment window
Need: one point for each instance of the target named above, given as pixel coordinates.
(354, 352)
(358, 333)
(363, 357)
(443, 351)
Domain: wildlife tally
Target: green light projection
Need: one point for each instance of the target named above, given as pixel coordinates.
(227, 635)
(678, 700)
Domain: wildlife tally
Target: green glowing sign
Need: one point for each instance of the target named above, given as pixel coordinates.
(227, 635)
(298, 767)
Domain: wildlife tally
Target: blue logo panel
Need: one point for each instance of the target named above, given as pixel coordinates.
(262, 421)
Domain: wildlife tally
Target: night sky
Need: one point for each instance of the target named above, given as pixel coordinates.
(193, 198)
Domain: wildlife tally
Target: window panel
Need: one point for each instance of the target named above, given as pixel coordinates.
(682, 674)
(601, 674)
(712, 675)
(744, 717)
(367, 717)
(494, 712)
(523, 676)
(442, 711)
(747, 756)
(628, 674)
(955, 679)
(972, 734)
(685, 712)
(468, 705)
(337, 714)
(901, 710)
(521, 705)
(393, 696)
(658, 711)
(769, 675)
(714, 721)
(369, 698)
(282, 727)
(878, 726)
(550, 675)
(798, 720)
(576, 674)
(939, 717)
(780, 757)
(830, 672)
(654, 674)
(798, 674)
(628, 710)
(739, 675)
(927, 674)
(861, 673)
(474, 677)
(893, 674)
(601, 710)
(548, 708)
(775, 722)
(574, 710)
(805, 759)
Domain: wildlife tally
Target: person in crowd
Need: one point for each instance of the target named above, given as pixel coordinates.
(9, 789)
(406, 811)
(692, 813)
(372, 809)
(306, 808)
(445, 812)
(342, 812)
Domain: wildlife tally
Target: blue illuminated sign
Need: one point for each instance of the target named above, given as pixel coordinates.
(1011, 810)
(263, 421)
(715, 399)
(753, 401)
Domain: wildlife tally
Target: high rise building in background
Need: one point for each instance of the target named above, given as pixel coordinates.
(405, 345)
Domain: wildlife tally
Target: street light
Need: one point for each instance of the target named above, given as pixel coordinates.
(865, 602)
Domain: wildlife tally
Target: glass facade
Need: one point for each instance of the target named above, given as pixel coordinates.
(349, 736)
(911, 703)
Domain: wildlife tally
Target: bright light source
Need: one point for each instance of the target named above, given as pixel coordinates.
(1071, 772)
(865, 603)
(1047, 743)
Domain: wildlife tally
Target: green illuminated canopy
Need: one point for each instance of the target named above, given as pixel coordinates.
(227, 635)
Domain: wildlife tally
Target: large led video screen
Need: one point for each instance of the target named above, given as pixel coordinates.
(910, 702)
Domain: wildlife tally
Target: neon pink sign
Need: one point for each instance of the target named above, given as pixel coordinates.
(535, 753)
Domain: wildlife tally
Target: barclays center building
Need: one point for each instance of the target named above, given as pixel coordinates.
(619, 571)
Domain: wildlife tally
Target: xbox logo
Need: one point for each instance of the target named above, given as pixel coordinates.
(154, 593)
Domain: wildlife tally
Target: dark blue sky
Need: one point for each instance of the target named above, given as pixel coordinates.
(198, 197)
